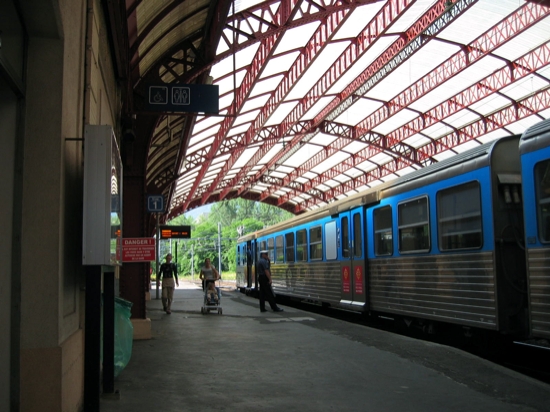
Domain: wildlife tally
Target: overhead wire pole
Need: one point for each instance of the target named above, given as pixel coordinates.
(220, 249)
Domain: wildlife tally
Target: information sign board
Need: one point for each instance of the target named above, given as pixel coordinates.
(175, 232)
(141, 249)
(194, 98)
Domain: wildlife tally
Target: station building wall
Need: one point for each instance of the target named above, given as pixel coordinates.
(56, 76)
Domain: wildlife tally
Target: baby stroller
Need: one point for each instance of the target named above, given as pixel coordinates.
(213, 304)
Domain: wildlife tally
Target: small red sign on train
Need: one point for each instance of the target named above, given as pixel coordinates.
(139, 249)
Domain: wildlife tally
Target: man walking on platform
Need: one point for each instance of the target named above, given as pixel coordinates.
(264, 277)
(169, 274)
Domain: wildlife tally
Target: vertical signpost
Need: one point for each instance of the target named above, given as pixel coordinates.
(155, 204)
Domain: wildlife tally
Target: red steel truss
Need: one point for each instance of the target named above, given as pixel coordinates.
(456, 63)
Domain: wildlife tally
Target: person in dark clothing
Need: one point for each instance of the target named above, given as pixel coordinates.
(264, 277)
(168, 273)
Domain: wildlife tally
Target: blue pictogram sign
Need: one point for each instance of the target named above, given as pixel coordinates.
(184, 98)
(158, 95)
(155, 203)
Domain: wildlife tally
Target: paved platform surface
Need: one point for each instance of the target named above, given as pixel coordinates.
(246, 361)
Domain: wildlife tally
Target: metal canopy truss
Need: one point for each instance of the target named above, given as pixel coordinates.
(320, 99)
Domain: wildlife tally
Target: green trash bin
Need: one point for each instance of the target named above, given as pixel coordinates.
(124, 334)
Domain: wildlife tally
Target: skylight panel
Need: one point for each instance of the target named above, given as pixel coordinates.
(238, 130)
(270, 154)
(265, 86)
(378, 47)
(321, 64)
(381, 158)
(354, 147)
(417, 66)
(477, 19)
(490, 104)
(206, 123)
(245, 157)
(285, 169)
(329, 163)
(358, 111)
(332, 183)
(323, 139)
(280, 113)
(524, 87)
(227, 85)
(246, 118)
(461, 118)
(437, 130)
(279, 64)
(417, 141)
(309, 176)
(197, 144)
(525, 41)
(411, 15)
(357, 21)
(317, 107)
(397, 120)
(255, 103)
(225, 101)
(297, 37)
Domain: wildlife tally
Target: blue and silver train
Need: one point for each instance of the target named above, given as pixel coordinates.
(465, 241)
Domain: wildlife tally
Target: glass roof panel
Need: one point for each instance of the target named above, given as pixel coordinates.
(355, 23)
(266, 86)
(358, 111)
(296, 38)
(361, 64)
(280, 113)
(317, 69)
(245, 157)
(333, 160)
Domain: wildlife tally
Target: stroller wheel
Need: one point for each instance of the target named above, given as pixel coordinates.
(202, 311)
(220, 311)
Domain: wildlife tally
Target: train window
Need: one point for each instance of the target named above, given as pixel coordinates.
(331, 241)
(357, 238)
(279, 249)
(263, 246)
(542, 182)
(413, 225)
(271, 249)
(301, 245)
(345, 237)
(383, 233)
(289, 250)
(459, 217)
(316, 243)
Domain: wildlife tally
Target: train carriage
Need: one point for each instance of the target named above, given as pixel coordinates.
(445, 242)
(535, 160)
(442, 245)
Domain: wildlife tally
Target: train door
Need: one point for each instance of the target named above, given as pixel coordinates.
(250, 264)
(352, 258)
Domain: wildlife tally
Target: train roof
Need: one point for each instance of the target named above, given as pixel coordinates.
(461, 163)
(536, 137)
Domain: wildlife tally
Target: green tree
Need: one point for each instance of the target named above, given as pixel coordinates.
(231, 215)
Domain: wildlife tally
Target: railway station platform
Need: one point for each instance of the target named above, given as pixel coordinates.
(245, 360)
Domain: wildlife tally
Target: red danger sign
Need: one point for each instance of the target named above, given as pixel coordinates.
(138, 249)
